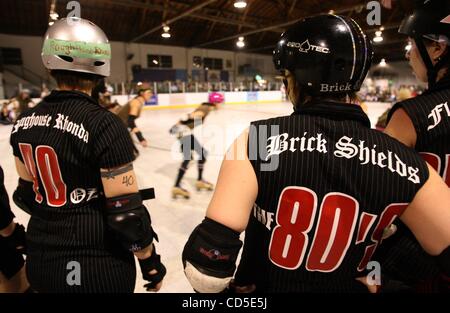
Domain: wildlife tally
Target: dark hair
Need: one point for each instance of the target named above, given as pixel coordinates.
(75, 80)
(98, 89)
(209, 104)
(446, 55)
(142, 90)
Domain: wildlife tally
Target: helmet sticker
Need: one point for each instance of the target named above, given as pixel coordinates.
(446, 20)
(77, 49)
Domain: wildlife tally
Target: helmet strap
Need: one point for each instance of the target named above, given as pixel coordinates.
(432, 70)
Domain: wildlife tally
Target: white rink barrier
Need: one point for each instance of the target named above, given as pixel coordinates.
(179, 100)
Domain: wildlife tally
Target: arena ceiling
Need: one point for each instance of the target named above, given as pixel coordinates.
(214, 24)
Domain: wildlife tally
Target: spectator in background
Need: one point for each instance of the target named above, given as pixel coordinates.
(23, 102)
(5, 115)
(45, 92)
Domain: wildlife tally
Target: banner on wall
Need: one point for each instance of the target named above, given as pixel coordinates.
(252, 96)
(153, 100)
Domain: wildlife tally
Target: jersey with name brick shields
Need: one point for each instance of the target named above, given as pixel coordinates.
(430, 115)
(328, 186)
(63, 142)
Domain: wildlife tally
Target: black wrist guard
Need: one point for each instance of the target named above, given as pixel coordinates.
(152, 263)
(139, 136)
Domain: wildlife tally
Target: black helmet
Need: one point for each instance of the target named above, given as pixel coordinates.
(328, 54)
(430, 19)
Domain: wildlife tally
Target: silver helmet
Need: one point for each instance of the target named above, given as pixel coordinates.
(76, 44)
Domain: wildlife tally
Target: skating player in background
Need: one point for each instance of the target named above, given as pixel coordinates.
(74, 159)
(422, 123)
(188, 144)
(132, 110)
(315, 190)
(102, 94)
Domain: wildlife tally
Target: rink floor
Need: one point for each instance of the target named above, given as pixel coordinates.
(158, 165)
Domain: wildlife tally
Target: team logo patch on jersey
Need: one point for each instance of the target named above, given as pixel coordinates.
(79, 195)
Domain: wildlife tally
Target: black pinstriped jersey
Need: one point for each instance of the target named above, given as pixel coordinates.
(328, 185)
(63, 142)
(430, 115)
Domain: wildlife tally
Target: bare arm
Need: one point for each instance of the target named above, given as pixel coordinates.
(236, 189)
(428, 215)
(134, 107)
(121, 181)
(22, 170)
(401, 128)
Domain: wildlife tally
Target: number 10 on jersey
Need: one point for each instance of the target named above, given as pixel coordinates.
(45, 164)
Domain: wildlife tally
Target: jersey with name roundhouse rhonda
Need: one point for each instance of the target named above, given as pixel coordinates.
(63, 142)
(328, 185)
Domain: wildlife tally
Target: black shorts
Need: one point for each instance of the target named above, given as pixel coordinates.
(55, 272)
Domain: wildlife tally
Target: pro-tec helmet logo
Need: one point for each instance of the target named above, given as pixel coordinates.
(305, 47)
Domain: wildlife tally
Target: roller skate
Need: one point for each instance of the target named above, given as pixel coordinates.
(203, 185)
(178, 191)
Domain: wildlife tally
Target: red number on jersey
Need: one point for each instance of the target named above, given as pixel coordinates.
(295, 216)
(55, 188)
(27, 155)
(387, 217)
(337, 219)
(49, 172)
(435, 162)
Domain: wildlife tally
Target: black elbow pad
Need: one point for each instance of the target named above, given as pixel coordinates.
(130, 221)
(209, 256)
(131, 121)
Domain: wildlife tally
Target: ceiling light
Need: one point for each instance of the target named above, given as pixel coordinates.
(240, 4)
(54, 16)
(240, 43)
(166, 33)
(378, 37)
